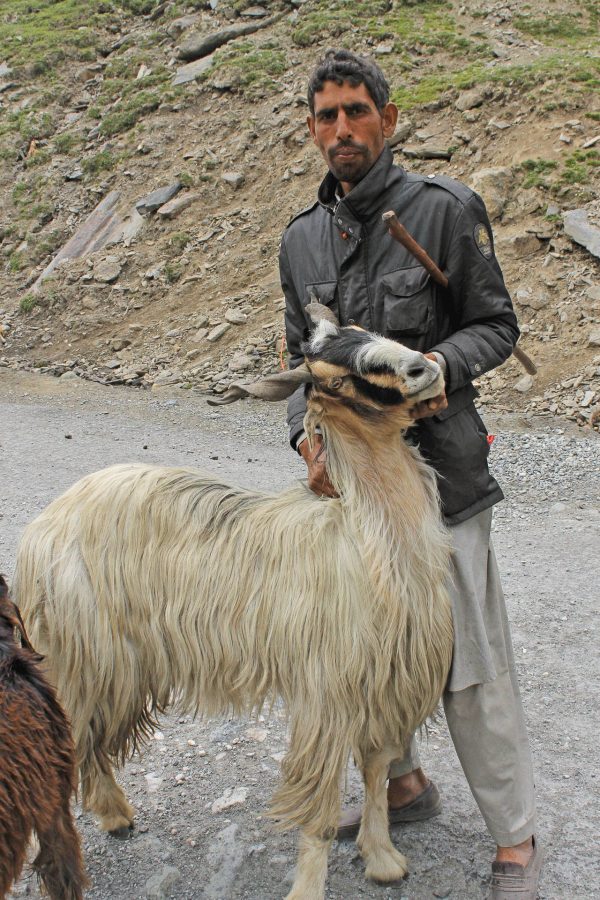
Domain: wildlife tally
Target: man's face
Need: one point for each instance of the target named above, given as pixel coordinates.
(349, 130)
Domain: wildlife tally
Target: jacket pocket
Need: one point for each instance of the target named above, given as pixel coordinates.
(324, 292)
(407, 301)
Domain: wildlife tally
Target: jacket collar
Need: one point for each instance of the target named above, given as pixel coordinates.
(365, 198)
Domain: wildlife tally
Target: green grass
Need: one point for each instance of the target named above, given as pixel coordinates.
(104, 161)
(28, 302)
(553, 25)
(65, 142)
(569, 73)
(26, 190)
(16, 262)
(579, 167)
(129, 112)
(563, 28)
(173, 272)
(429, 25)
(29, 124)
(36, 36)
(252, 69)
(179, 240)
(124, 99)
(536, 170)
(38, 158)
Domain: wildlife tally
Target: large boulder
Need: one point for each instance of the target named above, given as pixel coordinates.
(494, 186)
(582, 231)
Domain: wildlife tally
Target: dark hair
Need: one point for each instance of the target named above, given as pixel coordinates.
(345, 66)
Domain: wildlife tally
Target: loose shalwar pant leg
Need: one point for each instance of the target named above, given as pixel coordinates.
(482, 702)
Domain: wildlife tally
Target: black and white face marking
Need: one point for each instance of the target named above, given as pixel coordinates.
(382, 394)
(363, 354)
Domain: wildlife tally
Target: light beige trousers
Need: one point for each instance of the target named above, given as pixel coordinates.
(485, 718)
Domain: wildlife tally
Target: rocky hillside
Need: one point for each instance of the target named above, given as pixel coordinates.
(152, 153)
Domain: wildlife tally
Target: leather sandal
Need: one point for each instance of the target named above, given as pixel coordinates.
(425, 806)
(511, 881)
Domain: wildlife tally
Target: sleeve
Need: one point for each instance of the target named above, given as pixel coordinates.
(295, 333)
(485, 327)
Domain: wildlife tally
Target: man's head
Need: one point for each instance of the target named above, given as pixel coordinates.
(350, 114)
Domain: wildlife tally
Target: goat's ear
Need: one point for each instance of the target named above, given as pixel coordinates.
(272, 387)
(319, 312)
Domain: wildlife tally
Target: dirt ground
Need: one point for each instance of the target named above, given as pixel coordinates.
(547, 540)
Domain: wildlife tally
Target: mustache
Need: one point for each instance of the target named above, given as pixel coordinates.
(347, 145)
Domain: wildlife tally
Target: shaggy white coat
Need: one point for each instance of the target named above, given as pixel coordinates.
(147, 586)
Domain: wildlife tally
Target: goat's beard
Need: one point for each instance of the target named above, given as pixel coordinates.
(311, 423)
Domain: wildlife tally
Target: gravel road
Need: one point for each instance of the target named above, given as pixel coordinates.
(547, 540)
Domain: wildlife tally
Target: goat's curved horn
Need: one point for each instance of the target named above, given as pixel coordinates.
(273, 387)
(318, 311)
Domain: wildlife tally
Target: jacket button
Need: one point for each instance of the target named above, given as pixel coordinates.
(477, 367)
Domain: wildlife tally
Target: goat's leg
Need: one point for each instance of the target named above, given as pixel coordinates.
(102, 795)
(311, 868)
(383, 861)
(59, 864)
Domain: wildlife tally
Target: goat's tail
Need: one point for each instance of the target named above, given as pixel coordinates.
(312, 770)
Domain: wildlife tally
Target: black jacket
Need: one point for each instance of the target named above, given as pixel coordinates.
(341, 251)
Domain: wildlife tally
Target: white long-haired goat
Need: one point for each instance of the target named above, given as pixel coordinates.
(145, 585)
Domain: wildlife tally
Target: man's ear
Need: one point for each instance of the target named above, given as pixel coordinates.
(390, 118)
(310, 121)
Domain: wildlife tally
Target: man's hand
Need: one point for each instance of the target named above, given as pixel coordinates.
(434, 405)
(318, 480)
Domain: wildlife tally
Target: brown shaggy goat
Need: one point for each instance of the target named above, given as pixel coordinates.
(37, 769)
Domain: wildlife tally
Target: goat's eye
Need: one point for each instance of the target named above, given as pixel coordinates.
(335, 383)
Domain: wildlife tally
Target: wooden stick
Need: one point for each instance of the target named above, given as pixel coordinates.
(399, 233)
(526, 361)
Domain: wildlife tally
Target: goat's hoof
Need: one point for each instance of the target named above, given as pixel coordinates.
(386, 865)
(123, 833)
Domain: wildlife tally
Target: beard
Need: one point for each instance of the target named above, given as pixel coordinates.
(354, 167)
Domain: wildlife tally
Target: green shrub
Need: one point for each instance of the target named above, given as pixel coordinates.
(179, 240)
(65, 142)
(103, 161)
(127, 113)
(28, 302)
(173, 272)
(252, 69)
(535, 171)
(16, 262)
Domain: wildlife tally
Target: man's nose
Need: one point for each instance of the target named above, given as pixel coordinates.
(343, 129)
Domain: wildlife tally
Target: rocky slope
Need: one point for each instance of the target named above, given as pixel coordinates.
(107, 108)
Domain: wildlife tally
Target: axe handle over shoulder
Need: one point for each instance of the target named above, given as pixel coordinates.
(399, 233)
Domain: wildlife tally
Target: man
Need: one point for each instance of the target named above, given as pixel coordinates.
(339, 250)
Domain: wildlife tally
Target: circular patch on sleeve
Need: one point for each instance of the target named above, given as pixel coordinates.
(483, 240)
